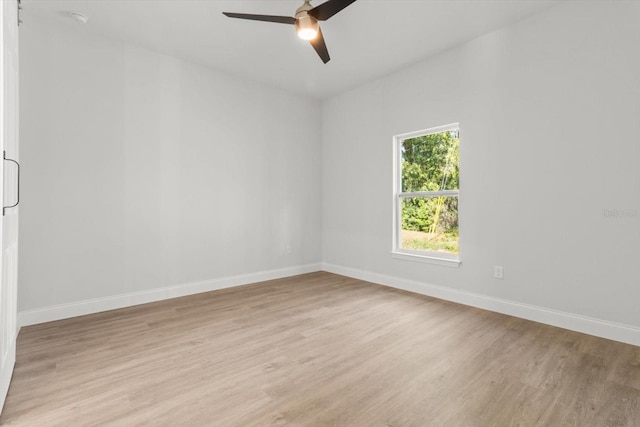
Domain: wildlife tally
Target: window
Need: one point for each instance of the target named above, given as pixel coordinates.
(426, 195)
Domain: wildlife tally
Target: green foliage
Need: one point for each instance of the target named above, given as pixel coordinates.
(430, 163)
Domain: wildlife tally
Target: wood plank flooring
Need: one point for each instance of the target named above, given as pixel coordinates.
(317, 350)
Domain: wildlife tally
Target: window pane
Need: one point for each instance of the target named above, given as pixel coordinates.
(430, 162)
(430, 224)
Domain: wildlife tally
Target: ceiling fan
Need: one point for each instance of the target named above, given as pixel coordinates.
(306, 22)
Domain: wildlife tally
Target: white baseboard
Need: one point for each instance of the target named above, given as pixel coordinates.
(588, 325)
(6, 370)
(80, 308)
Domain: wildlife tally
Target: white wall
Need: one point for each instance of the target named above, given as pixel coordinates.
(141, 171)
(549, 111)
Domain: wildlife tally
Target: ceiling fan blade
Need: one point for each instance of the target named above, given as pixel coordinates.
(266, 18)
(320, 46)
(329, 8)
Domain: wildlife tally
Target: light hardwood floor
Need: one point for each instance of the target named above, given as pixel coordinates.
(317, 350)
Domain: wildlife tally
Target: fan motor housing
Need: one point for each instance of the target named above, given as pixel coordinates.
(303, 9)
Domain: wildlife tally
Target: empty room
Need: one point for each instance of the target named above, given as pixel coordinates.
(327, 213)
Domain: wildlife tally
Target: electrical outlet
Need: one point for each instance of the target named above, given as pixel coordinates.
(498, 272)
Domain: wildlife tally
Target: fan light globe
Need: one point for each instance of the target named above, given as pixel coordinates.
(307, 27)
(307, 33)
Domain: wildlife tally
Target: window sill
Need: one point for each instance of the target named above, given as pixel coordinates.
(428, 259)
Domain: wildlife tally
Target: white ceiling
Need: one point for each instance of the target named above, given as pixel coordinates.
(368, 39)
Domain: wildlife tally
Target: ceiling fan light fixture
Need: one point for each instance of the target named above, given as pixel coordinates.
(307, 27)
(305, 20)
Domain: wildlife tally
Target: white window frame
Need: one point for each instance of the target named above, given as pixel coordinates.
(431, 257)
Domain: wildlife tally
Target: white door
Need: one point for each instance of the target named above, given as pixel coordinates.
(9, 183)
